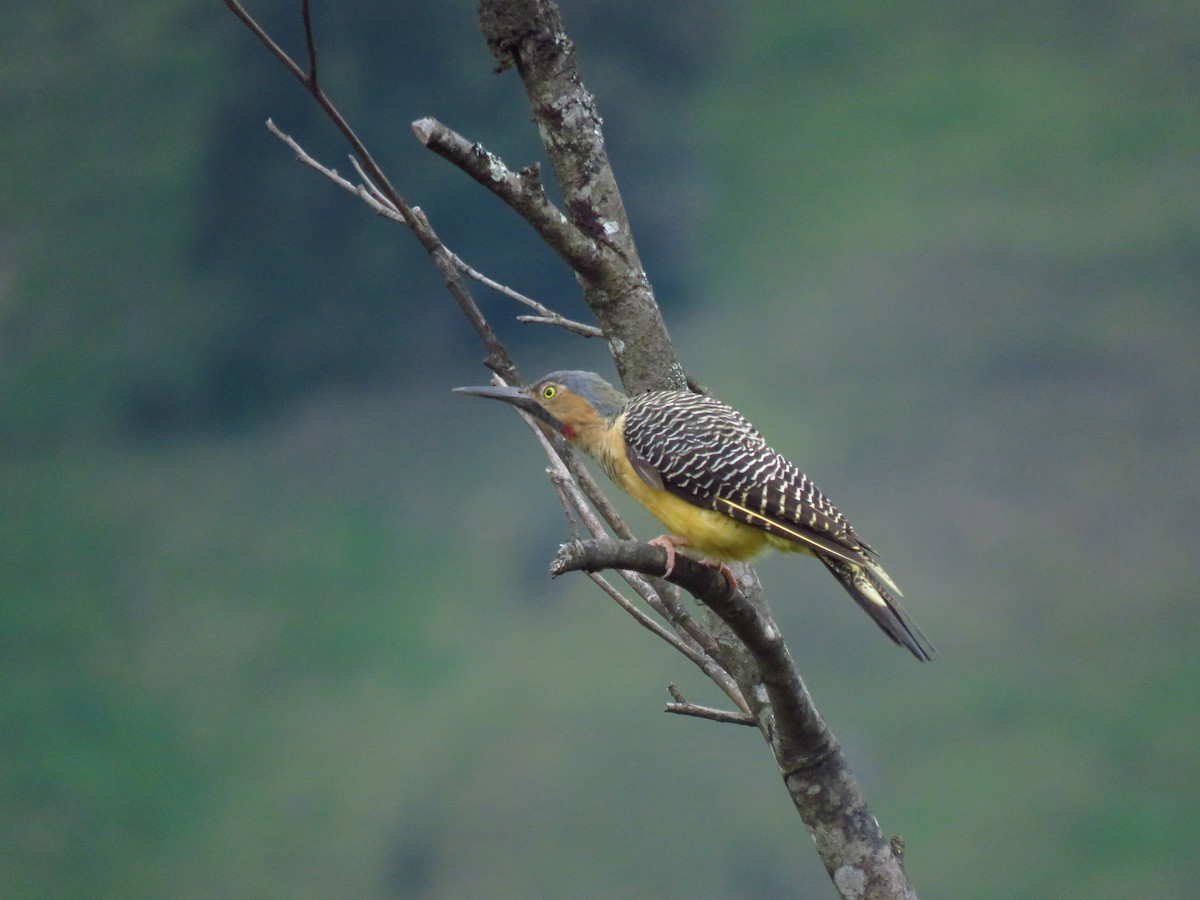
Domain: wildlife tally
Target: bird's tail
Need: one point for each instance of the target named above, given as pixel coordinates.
(869, 592)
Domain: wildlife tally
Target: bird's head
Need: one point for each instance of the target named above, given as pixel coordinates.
(575, 404)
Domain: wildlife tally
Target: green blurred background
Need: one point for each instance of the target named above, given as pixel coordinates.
(275, 616)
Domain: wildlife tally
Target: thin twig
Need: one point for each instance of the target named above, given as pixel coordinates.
(368, 185)
(266, 40)
(584, 482)
(585, 331)
(374, 198)
(306, 14)
(692, 653)
(368, 193)
(729, 717)
(544, 313)
(565, 501)
(681, 707)
(310, 85)
(498, 357)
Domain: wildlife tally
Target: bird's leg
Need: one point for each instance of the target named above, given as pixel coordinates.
(669, 542)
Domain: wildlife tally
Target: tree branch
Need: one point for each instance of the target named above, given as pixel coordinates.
(856, 854)
(522, 192)
(374, 198)
(498, 358)
(545, 315)
(712, 715)
(681, 707)
(530, 35)
(310, 43)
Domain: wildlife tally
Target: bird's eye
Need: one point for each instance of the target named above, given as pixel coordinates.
(549, 391)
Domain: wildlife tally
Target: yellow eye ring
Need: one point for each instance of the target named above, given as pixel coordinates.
(549, 391)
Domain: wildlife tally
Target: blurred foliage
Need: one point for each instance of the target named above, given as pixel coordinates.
(275, 617)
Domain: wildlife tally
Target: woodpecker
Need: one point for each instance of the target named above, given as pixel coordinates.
(707, 474)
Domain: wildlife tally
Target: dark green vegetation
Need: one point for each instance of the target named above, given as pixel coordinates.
(274, 614)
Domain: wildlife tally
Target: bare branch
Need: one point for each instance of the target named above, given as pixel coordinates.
(443, 258)
(522, 192)
(498, 358)
(306, 14)
(724, 716)
(681, 707)
(796, 720)
(370, 187)
(265, 39)
(646, 622)
(820, 781)
(584, 331)
(663, 601)
(530, 35)
(366, 193)
(670, 609)
(374, 198)
(545, 315)
(310, 84)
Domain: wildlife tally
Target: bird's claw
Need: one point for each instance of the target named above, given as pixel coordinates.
(724, 570)
(669, 542)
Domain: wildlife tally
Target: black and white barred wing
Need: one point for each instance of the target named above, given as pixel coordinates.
(708, 454)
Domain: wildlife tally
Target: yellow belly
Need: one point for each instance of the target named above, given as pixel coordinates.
(709, 533)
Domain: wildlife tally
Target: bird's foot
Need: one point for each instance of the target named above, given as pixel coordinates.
(724, 570)
(669, 542)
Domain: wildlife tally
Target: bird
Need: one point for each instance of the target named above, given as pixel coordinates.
(707, 474)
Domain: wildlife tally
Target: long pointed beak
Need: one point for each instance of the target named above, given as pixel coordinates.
(517, 397)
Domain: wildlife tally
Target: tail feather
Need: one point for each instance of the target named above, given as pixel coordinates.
(869, 592)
